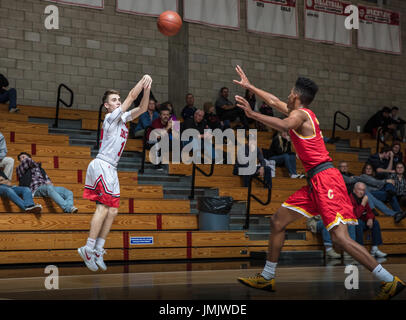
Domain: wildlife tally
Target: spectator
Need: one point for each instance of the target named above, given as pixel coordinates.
(189, 109)
(145, 120)
(266, 110)
(172, 118)
(281, 151)
(399, 123)
(397, 154)
(400, 187)
(8, 94)
(6, 163)
(30, 174)
(382, 163)
(212, 119)
(198, 123)
(250, 97)
(164, 123)
(373, 202)
(21, 196)
(366, 219)
(263, 170)
(381, 119)
(226, 110)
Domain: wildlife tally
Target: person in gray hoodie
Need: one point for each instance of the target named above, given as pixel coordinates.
(6, 163)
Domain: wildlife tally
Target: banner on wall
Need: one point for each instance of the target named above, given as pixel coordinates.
(324, 22)
(221, 13)
(379, 30)
(95, 4)
(274, 17)
(146, 8)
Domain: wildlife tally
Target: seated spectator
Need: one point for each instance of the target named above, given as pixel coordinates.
(6, 163)
(400, 187)
(263, 170)
(366, 219)
(281, 151)
(382, 163)
(373, 202)
(226, 110)
(381, 119)
(189, 109)
(212, 119)
(399, 124)
(172, 118)
(250, 97)
(397, 154)
(21, 196)
(162, 122)
(198, 123)
(8, 94)
(30, 174)
(266, 110)
(144, 121)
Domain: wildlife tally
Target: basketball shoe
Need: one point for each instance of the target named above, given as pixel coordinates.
(88, 257)
(390, 289)
(99, 259)
(258, 282)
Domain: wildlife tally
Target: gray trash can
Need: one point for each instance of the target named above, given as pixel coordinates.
(214, 212)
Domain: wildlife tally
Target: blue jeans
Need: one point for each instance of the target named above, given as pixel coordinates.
(9, 95)
(326, 235)
(376, 232)
(289, 160)
(21, 196)
(62, 196)
(376, 203)
(383, 196)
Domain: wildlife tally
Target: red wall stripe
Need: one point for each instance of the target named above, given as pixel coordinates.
(159, 222)
(131, 205)
(33, 149)
(80, 176)
(56, 162)
(12, 137)
(189, 245)
(126, 241)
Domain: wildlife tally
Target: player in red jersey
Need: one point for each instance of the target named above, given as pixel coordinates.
(325, 195)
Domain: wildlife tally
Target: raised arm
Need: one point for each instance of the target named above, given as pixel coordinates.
(269, 98)
(136, 112)
(134, 93)
(295, 119)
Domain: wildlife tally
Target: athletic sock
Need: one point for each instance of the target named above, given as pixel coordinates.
(382, 274)
(100, 244)
(269, 270)
(374, 248)
(90, 243)
(328, 248)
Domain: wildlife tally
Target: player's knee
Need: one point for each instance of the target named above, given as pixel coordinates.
(276, 224)
(113, 212)
(339, 239)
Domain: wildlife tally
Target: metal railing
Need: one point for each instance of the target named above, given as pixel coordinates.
(378, 140)
(335, 124)
(98, 126)
(144, 149)
(59, 100)
(250, 195)
(195, 167)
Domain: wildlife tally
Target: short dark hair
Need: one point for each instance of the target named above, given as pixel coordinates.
(221, 90)
(365, 167)
(386, 109)
(386, 149)
(22, 153)
(163, 108)
(395, 108)
(107, 93)
(306, 89)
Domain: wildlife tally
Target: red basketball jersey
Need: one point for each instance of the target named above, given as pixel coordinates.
(311, 150)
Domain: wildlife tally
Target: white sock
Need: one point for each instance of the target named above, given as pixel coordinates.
(374, 248)
(382, 274)
(269, 270)
(90, 243)
(100, 244)
(328, 248)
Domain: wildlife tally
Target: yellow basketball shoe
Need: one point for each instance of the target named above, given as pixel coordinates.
(258, 282)
(390, 289)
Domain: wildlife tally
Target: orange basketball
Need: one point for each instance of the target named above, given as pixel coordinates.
(169, 23)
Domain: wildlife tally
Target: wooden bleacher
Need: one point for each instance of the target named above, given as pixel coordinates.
(54, 236)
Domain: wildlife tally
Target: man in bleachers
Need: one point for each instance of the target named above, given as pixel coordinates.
(366, 219)
(21, 196)
(31, 174)
(381, 119)
(8, 94)
(6, 163)
(145, 120)
(382, 162)
(189, 110)
(227, 110)
(399, 123)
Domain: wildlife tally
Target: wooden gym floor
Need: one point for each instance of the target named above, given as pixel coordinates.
(314, 280)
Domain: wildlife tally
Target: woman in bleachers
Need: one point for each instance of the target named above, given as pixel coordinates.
(397, 154)
(400, 183)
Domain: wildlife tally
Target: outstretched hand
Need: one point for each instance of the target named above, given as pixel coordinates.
(147, 82)
(244, 82)
(244, 105)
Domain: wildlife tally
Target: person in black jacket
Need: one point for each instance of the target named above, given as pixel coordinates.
(8, 94)
(381, 119)
(281, 151)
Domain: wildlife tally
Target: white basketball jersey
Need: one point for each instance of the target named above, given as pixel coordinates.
(113, 136)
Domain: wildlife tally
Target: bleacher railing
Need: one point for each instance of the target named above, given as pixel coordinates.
(144, 149)
(98, 126)
(250, 195)
(335, 124)
(195, 167)
(59, 100)
(378, 138)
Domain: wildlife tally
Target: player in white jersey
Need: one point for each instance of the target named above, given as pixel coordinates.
(102, 183)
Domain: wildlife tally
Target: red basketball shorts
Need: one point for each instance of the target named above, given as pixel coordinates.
(329, 199)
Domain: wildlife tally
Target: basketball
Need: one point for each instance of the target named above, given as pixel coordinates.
(169, 23)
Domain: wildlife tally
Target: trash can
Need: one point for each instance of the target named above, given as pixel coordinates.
(214, 212)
